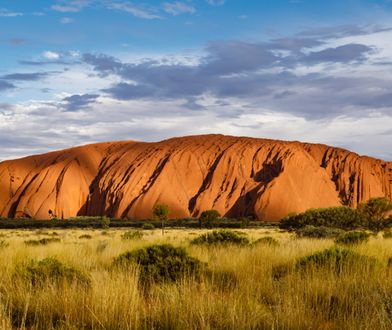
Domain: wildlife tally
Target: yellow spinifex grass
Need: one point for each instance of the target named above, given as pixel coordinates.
(358, 298)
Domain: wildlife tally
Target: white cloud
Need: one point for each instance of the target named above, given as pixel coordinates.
(137, 11)
(51, 55)
(352, 121)
(70, 6)
(39, 126)
(7, 13)
(176, 8)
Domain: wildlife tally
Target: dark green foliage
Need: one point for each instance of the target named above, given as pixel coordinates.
(105, 222)
(222, 237)
(161, 212)
(371, 215)
(132, 234)
(42, 241)
(245, 221)
(335, 258)
(95, 222)
(49, 269)
(85, 236)
(337, 217)
(209, 218)
(375, 212)
(161, 263)
(319, 232)
(148, 226)
(387, 234)
(353, 237)
(267, 240)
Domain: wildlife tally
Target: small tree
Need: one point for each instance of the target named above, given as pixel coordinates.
(209, 217)
(375, 212)
(161, 212)
(105, 222)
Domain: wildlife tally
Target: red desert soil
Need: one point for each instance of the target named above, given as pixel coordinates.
(235, 175)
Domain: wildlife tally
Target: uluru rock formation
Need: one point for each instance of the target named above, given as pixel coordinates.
(238, 176)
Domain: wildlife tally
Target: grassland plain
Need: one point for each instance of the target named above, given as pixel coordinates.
(251, 287)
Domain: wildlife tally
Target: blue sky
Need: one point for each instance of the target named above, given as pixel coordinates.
(82, 71)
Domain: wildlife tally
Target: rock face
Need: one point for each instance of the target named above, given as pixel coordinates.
(237, 176)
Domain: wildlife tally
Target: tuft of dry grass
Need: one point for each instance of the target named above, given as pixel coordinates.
(244, 287)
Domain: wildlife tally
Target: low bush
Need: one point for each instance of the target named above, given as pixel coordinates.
(209, 218)
(387, 234)
(319, 232)
(267, 240)
(222, 237)
(352, 238)
(161, 263)
(335, 258)
(42, 241)
(49, 269)
(105, 222)
(342, 217)
(376, 211)
(85, 236)
(132, 235)
(148, 226)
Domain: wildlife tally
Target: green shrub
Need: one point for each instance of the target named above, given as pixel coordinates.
(337, 217)
(335, 258)
(49, 269)
(209, 218)
(375, 211)
(148, 226)
(42, 241)
(222, 237)
(319, 232)
(387, 234)
(85, 236)
(105, 222)
(132, 235)
(161, 263)
(353, 237)
(267, 240)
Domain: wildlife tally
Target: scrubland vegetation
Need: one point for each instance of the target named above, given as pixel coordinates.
(324, 269)
(193, 279)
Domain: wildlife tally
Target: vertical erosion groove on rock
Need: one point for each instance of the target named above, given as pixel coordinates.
(237, 176)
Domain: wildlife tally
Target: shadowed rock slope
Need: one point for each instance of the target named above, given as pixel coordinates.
(237, 176)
